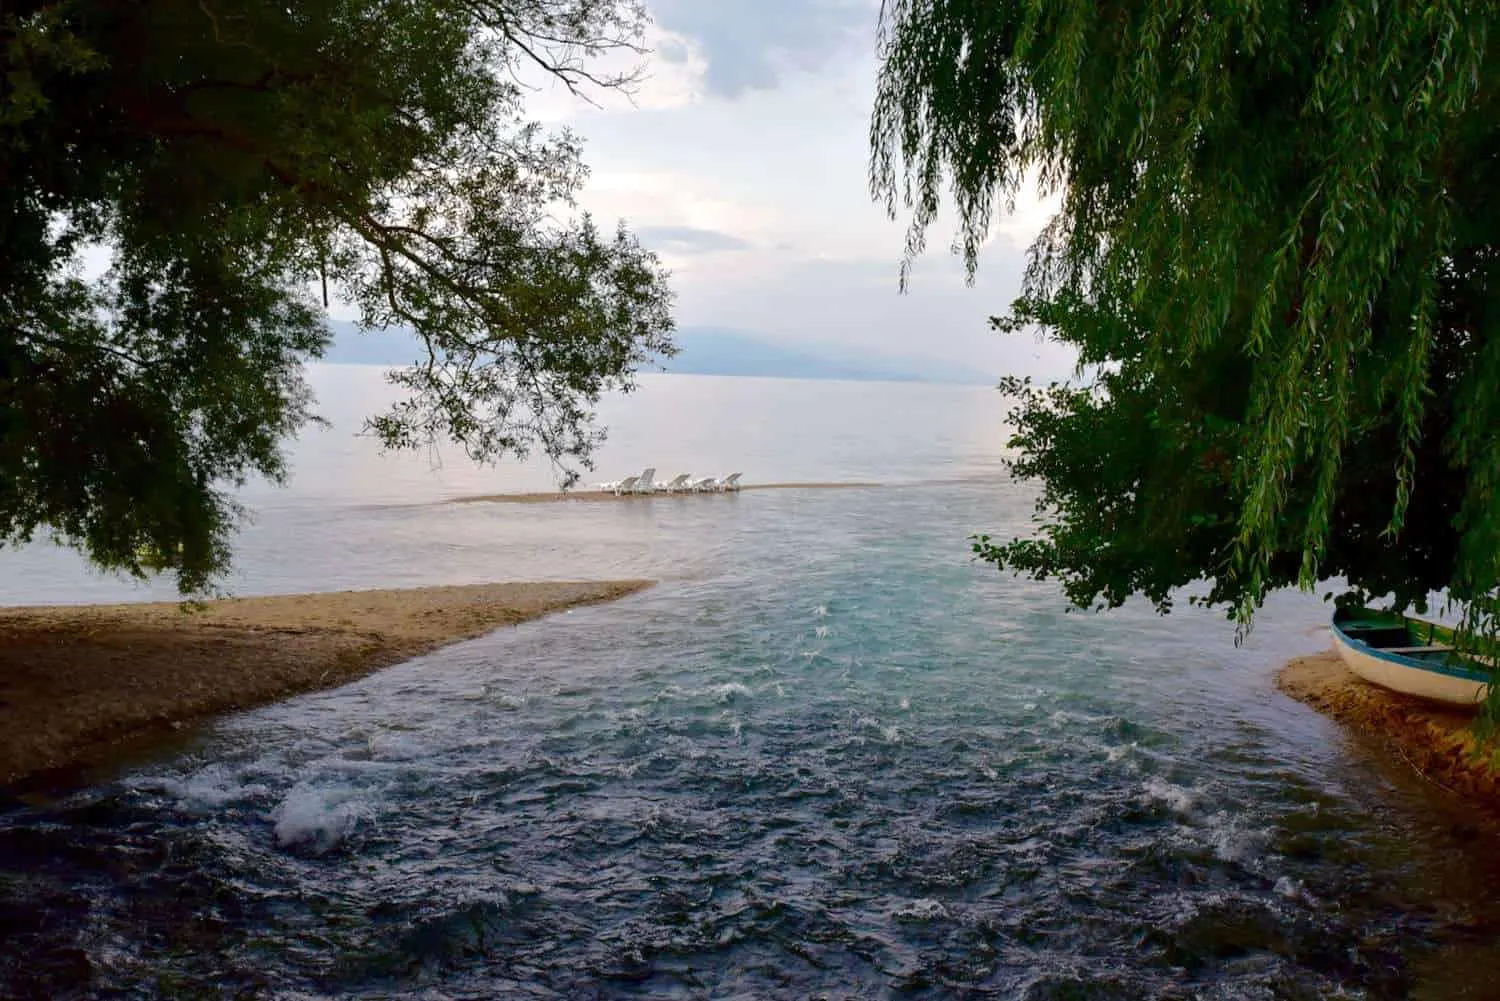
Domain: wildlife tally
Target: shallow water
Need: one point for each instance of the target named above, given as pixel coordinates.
(827, 757)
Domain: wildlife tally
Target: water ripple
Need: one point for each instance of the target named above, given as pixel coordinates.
(837, 783)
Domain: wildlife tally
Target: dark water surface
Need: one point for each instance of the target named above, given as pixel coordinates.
(827, 757)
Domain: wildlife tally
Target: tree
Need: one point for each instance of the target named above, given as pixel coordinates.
(230, 155)
(1276, 257)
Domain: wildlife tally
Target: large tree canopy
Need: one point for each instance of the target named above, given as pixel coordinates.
(1276, 258)
(229, 154)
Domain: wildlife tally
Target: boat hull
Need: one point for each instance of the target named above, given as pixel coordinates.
(1388, 671)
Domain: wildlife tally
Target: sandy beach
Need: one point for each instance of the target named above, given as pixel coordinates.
(1435, 741)
(598, 496)
(86, 685)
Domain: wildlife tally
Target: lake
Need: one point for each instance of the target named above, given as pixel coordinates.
(827, 756)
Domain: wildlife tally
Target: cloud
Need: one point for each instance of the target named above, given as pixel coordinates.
(749, 44)
(672, 75)
(743, 163)
(856, 305)
(689, 240)
(680, 213)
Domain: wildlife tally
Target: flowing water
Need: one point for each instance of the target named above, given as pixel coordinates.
(827, 756)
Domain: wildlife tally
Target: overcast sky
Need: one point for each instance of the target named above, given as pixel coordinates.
(743, 163)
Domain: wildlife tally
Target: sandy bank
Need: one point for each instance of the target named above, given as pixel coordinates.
(82, 685)
(1434, 741)
(590, 496)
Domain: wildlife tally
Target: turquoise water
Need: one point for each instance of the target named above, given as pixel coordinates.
(827, 756)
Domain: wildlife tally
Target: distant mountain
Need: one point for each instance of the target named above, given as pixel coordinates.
(723, 351)
(705, 351)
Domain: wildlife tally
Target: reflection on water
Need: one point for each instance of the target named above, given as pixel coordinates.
(829, 756)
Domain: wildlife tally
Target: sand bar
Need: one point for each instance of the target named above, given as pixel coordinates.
(85, 685)
(596, 496)
(1437, 742)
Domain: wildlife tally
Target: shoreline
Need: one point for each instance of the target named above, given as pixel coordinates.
(1434, 741)
(89, 686)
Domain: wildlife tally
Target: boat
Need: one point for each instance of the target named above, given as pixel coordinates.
(1409, 655)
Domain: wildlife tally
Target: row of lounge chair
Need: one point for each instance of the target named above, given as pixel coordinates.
(646, 483)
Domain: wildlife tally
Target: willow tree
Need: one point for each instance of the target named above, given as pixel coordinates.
(177, 177)
(1275, 256)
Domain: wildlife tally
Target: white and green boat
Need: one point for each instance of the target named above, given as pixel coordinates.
(1411, 656)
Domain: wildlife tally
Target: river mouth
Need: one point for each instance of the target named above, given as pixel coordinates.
(555, 876)
(830, 758)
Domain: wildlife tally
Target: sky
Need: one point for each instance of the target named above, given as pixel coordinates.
(742, 160)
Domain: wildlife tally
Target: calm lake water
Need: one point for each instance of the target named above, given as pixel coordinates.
(828, 756)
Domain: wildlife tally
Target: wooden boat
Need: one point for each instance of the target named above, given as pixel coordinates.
(1408, 655)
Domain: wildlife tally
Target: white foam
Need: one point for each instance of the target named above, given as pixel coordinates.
(319, 817)
(729, 691)
(821, 632)
(888, 733)
(1175, 797)
(924, 909)
(395, 747)
(1233, 843)
(668, 693)
(213, 787)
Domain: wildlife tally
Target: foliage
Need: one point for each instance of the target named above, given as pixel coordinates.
(227, 155)
(1275, 256)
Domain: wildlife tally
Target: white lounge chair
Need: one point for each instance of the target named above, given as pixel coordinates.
(729, 483)
(625, 486)
(646, 482)
(675, 484)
